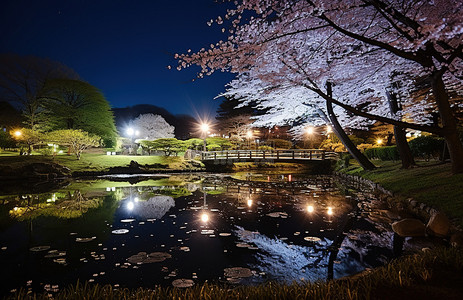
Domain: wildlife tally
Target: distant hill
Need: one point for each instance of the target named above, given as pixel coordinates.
(183, 124)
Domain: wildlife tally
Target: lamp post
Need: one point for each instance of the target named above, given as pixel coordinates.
(204, 130)
(309, 131)
(249, 136)
(131, 133)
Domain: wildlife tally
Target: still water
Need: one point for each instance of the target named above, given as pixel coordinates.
(241, 229)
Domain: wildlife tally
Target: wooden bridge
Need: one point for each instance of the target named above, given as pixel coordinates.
(295, 156)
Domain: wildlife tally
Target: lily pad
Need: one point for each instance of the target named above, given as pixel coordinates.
(237, 272)
(144, 258)
(183, 283)
(127, 220)
(120, 231)
(85, 240)
(39, 248)
(312, 239)
(224, 234)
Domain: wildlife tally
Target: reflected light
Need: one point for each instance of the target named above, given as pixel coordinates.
(135, 199)
(130, 205)
(330, 211)
(249, 202)
(310, 209)
(290, 177)
(204, 217)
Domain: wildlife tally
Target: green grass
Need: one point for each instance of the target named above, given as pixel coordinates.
(428, 275)
(430, 182)
(90, 161)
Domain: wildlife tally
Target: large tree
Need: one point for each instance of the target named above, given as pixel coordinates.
(151, 127)
(356, 43)
(75, 104)
(22, 81)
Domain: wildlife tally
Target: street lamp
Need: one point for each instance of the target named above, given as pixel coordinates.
(17, 133)
(309, 130)
(204, 130)
(249, 136)
(131, 133)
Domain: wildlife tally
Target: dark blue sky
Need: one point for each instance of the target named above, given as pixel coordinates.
(123, 47)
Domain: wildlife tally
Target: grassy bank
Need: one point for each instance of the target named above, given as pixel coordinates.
(428, 275)
(96, 162)
(430, 182)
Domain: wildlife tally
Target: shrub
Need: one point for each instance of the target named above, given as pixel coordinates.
(427, 147)
(383, 153)
(265, 148)
(363, 147)
(223, 143)
(279, 143)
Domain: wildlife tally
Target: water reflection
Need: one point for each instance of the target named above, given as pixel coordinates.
(281, 228)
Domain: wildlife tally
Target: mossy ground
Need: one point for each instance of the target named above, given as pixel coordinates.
(429, 182)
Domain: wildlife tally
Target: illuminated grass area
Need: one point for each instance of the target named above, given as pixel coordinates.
(430, 182)
(428, 275)
(92, 161)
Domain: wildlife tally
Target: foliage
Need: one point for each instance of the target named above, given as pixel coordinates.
(6, 140)
(213, 147)
(151, 127)
(331, 145)
(222, 143)
(288, 50)
(77, 139)
(194, 143)
(29, 137)
(278, 143)
(427, 147)
(75, 104)
(23, 80)
(265, 148)
(363, 147)
(383, 153)
(168, 145)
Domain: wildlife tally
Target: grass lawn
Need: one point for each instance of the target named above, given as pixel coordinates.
(89, 161)
(430, 182)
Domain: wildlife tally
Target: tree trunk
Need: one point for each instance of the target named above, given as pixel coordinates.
(405, 153)
(345, 140)
(449, 123)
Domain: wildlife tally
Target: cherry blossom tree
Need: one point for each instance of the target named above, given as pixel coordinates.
(357, 45)
(151, 127)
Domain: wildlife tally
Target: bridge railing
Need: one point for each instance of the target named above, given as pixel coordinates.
(299, 154)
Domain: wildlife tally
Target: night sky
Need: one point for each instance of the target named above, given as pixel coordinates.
(123, 47)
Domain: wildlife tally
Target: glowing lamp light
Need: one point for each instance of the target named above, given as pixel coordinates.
(329, 129)
(379, 141)
(130, 205)
(130, 131)
(330, 211)
(249, 202)
(136, 199)
(310, 208)
(204, 217)
(249, 134)
(204, 127)
(17, 133)
(309, 130)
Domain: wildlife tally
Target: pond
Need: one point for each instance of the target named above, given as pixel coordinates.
(242, 228)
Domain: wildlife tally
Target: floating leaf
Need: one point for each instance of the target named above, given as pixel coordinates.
(237, 272)
(127, 220)
(120, 231)
(144, 258)
(39, 248)
(85, 240)
(312, 239)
